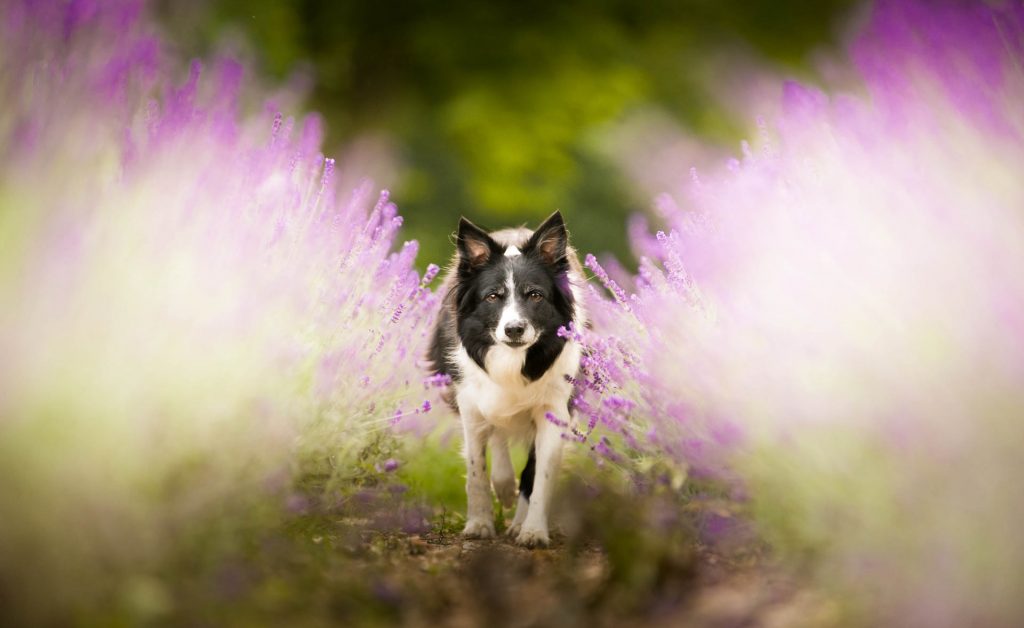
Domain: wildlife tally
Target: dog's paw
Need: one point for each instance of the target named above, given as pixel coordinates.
(533, 537)
(505, 489)
(513, 530)
(478, 529)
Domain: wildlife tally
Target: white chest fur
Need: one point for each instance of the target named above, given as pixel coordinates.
(502, 397)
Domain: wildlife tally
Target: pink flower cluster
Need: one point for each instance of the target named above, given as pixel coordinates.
(834, 321)
(185, 292)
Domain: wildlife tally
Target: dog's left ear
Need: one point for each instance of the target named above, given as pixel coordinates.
(475, 246)
(550, 239)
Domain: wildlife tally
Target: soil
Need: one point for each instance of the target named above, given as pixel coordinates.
(441, 579)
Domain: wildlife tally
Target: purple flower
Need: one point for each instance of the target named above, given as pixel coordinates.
(431, 272)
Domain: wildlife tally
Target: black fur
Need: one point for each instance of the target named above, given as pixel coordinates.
(467, 316)
(441, 342)
(529, 471)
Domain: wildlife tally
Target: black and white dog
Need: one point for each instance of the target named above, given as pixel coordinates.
(508, 292)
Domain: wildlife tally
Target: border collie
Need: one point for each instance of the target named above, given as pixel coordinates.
(508, 292)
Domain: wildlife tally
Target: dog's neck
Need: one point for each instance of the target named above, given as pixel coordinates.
(504, 365)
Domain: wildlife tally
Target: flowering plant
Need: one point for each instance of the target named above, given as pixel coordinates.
(831, 324)
(190, 308)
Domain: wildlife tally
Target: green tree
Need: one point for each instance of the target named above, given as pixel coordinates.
(496, 106)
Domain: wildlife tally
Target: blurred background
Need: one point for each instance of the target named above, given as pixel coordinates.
(504, 112)
(211, 406)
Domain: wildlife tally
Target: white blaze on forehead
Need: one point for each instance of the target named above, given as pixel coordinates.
(512, 251)
(510, 314)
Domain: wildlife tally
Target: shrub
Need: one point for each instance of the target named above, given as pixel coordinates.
(192, 313)
(831, 323)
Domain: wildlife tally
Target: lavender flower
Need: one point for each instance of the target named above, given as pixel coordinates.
(185, 293)
(830, 322)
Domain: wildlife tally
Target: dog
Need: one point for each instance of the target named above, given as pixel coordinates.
(506, 295)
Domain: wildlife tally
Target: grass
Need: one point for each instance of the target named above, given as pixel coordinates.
(384, 548)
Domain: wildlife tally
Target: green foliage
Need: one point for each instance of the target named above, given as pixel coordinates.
(434, 470)
(497, 107)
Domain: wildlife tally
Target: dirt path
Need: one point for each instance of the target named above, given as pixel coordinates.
(440, 579)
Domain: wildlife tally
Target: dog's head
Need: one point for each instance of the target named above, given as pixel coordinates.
(512, 291)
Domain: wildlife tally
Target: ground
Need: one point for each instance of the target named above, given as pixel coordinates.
(336, 569)
(380, 545)
(497, 583)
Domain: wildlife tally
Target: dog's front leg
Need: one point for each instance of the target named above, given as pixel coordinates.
(480, 515)
(548, 446)
(525, 489)
(503, 475)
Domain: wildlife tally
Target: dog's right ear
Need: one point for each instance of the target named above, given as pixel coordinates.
(550, 240)
(475, 246)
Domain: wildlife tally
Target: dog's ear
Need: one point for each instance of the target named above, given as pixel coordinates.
(550, 239)
(475, 246)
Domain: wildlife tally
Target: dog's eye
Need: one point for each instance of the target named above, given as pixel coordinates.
(492, 297)
(534, 295)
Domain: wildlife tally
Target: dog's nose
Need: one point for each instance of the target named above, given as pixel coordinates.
(515, 330)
